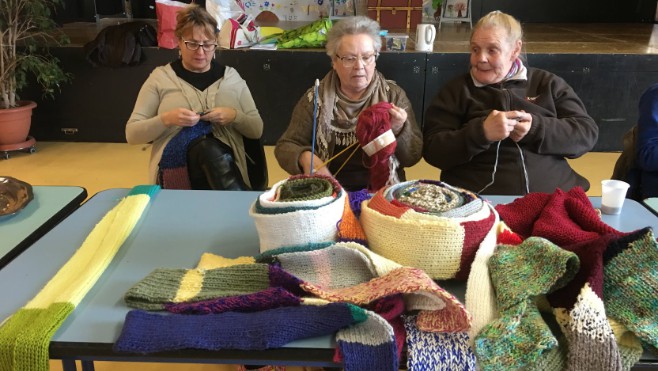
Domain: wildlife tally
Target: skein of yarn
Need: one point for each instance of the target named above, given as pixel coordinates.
(373, 131)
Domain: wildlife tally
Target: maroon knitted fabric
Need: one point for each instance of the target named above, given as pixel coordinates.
(569, 220)
(373, 122)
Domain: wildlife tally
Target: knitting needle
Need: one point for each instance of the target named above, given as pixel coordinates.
(315, 120)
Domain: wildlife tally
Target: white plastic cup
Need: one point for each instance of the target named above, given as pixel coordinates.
(613, 194)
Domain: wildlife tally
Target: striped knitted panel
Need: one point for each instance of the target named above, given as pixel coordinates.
(437, 351)
(590, 340)
(631, 284)
(25, 336)
(441, 311)
(148, 332)
(164, 286)
(362, 259)
(172, 173)
(368, 346)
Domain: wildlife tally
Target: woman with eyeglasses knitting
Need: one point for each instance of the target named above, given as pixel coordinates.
(352, 85)
(196, 113)
(504, 128)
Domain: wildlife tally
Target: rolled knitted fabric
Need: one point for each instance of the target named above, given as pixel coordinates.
(428, 225)
(631, 284)
(305, 214)
(437, 351)
(520, 273)
(146, 332)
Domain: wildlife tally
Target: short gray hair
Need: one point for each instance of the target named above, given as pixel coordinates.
(353, 26)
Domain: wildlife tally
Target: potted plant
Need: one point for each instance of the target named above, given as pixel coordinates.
(27, 30)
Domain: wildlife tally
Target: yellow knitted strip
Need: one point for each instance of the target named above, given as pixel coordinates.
(25, 336)
(81, 272)
(213, 261)
(190, 285)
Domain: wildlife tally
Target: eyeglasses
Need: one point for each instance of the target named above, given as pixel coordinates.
(193, 46)
(350, 60)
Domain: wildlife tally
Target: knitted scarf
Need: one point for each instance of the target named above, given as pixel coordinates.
(569, 220)
(25, 336)
(263, 299)
(299, 210)
(172, 173)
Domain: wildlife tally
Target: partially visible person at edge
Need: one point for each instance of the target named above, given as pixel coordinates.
(647, 145)
(192, 89)
(504, 128)
(352, 85)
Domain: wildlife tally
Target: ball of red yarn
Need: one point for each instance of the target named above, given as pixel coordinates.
(373, 122)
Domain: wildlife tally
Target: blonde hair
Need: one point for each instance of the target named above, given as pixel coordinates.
(504, 21)
(195, 16)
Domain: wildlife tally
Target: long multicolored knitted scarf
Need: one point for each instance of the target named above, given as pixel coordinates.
(172, 173)
(25, 336)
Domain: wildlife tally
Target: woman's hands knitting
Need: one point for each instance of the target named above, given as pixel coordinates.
(501, 125)
(180, 117)
(398, 118)
(220, 115)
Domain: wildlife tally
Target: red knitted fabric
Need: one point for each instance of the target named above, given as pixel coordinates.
(373, 122)
(569, 220)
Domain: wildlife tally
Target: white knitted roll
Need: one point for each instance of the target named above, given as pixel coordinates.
(268, 199)
(299, 227)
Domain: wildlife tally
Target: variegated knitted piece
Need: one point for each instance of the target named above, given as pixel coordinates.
(442, 246)
(589, 338)
(25, 336)
(631, 284)
(437, 351)
(519, 274)
(349, 272)
(299, 223)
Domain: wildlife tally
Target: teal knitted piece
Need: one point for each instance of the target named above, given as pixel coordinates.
(630, 285)
(520, 273)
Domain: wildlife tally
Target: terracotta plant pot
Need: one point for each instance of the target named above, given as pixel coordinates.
(15, 123)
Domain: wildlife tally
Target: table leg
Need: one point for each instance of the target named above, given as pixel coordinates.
(87, 365)
(69, 365)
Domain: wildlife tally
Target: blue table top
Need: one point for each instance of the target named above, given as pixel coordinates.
(177, 228)
(40, 214)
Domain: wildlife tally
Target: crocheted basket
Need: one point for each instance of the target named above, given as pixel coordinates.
(307, 217)
(429, 225)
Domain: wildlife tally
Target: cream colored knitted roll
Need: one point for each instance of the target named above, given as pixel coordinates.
(432, 243)
(299, 227)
